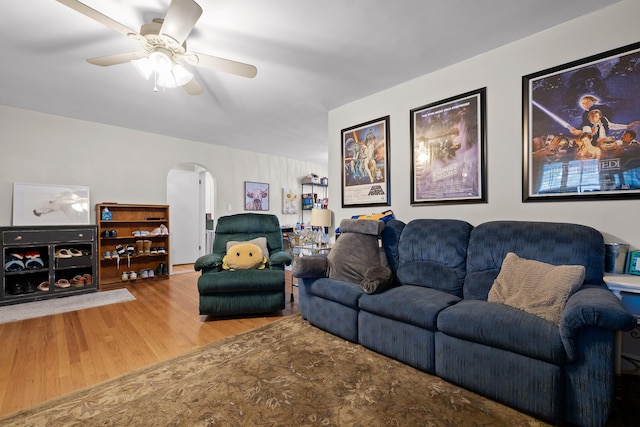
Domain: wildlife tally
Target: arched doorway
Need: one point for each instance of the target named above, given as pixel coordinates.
(190, 193)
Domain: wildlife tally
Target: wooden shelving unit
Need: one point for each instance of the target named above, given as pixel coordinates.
(20, 280)
(139, 245)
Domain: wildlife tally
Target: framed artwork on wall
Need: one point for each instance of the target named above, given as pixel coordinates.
(365, 164)
(45, 204)
(290, 200)
(580, 124)
(256, 196)
(448, 151)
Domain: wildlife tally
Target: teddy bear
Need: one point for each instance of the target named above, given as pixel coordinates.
(244, 256)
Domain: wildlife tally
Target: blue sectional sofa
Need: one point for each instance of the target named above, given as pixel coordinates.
(437, 317)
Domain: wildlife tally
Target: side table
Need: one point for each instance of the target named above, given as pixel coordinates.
(627, 288)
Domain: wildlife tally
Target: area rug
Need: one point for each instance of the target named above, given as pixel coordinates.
(287, 373)
(30, 310)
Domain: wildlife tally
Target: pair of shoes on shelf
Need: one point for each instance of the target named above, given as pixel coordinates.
(14, 262)
(129, 275)
(22, 288)
(147, 273)
(110, 255)
(109, 234)
(141, 233)
(32, 260)
(162, 269)
(63, 284)
(77, 281)
(143, 247)
(70, 253)
(43, 287)
(88, 280)
(160, 231)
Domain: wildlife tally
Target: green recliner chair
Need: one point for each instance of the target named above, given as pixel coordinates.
(233, 292)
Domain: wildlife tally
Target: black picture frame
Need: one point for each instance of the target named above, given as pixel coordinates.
(448, 151)
(571, 152)
(366, 178)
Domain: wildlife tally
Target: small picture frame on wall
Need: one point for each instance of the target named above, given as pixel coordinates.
(633, 263)
(290, 200)
(256, 196)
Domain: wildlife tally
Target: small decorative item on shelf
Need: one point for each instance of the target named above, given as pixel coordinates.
(633, 266)
(307, 201)
(106, 214)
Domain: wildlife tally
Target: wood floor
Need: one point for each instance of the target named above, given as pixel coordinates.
(49, 356)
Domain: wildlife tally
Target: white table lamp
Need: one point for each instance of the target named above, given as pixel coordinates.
(321, 218)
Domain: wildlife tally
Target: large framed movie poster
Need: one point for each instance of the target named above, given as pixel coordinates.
(448, 151)
(580, 129)
(365, 164)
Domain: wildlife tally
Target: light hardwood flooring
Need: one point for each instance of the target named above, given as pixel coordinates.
(50, 356)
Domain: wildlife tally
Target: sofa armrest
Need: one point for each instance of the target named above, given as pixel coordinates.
(592, 306)
(208, 262)
(280, 258)
(308, 267)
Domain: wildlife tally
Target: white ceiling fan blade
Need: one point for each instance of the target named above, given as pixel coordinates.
(120, 58)
(221, 64)
(180, 19)
(192, 87)
(97, 16)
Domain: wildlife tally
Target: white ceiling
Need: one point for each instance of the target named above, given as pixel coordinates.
(311, 55)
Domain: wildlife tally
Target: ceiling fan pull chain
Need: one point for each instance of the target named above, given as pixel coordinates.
(155, 81)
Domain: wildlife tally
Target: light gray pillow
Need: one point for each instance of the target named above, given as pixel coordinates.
(261, 242)
(536, 287)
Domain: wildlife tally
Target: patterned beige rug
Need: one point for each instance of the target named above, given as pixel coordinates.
(287, 373)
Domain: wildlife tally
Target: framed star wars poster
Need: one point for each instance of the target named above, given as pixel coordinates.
(365, 164)
(580, 129)
(448, 151)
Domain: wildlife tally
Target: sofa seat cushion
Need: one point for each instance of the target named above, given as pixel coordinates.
(240, 281)
(414, 305)
(504, 327)
(345, 293)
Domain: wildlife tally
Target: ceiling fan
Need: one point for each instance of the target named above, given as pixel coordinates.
(164, 48)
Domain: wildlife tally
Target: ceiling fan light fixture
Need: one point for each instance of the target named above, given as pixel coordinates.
(178, 76)
(181, 75)
(160, 61)
(143, 66)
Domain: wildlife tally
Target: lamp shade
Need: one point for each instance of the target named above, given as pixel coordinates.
(320, 218)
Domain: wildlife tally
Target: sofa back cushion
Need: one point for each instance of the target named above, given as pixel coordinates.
(549, 242)
(390, 241)
(432, 253)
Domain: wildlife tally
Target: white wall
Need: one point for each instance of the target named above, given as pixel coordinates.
(127, 166)
(501, 71)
